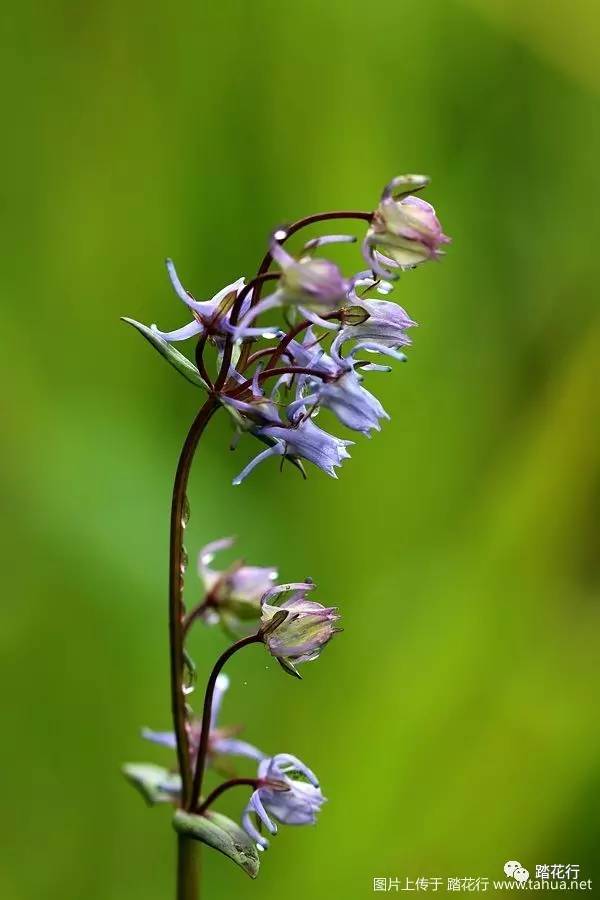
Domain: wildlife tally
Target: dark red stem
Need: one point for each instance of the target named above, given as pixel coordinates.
(234, 782)
(208, 701)
(280, 370)
(256, 283)
(176, 592)
(195, 613)
(200, 359)
(304, 223)
(262, 276)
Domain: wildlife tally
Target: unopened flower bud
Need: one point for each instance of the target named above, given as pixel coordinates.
(300, 634)
(405, 226)
(311, 282)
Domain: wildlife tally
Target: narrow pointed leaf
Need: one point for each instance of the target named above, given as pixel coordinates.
(170, 353)
(223, 834)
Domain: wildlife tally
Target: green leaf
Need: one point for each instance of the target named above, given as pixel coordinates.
(155, 784)
(170, 353)
(223, 834)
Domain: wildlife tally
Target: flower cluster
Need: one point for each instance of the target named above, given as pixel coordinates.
(273, 383)
(338, 326)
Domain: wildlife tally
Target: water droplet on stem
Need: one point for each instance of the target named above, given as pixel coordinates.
(189, 674)
(185, 513)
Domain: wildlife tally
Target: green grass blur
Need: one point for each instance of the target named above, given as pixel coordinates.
(454, 723)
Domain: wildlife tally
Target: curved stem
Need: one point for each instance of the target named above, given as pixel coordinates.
(195, 613)
(304, 223)
(266, 351)
(208, 700)
(176, 591)
(263, 272)
(225, 786)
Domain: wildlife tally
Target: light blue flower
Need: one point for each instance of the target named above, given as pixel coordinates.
(210, 317)
(339, 390)
(303, 441)
(289, 794)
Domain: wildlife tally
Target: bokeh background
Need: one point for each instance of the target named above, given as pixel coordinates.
(454, 723)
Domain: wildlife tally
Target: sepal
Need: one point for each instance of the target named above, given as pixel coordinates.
(403, 185)
(288, 667)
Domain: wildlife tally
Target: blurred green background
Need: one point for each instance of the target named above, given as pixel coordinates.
(454, 724)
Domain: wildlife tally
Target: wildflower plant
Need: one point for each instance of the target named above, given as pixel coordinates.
(272, 381)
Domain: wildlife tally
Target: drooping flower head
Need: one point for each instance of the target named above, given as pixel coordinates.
(296, 440)
(337, 386)
(384, 323)
(405, 226)
(312, 285)
(309, 282)
(296, 630)
(289, 794)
